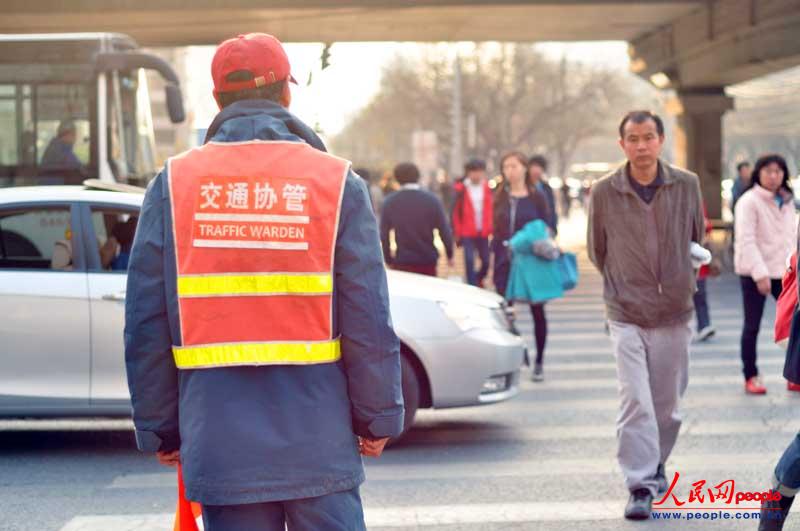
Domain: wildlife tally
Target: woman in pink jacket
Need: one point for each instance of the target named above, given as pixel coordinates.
(766, 234)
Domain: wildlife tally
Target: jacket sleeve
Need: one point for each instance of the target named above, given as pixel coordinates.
(444, 230)
(488, 206)
(746, 247)
(152, 375)
(456, 214)
(386, 227)
(699, 216)
(522, 241)
(370, 348)
(596, 233)
(736, 192)
(551, 200)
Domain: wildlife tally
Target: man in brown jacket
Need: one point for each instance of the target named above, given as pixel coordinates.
(642, 220)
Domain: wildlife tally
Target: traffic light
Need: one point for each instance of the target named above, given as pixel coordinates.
(326, 56)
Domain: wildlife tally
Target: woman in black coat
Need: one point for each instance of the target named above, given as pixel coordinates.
(517, 202)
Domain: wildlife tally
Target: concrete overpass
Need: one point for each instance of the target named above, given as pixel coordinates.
(694, 46)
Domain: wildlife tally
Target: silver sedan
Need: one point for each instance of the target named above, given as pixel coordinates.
(62, 293)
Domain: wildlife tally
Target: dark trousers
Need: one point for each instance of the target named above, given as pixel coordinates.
(471, 246)
(502, 266)
(539, 329)
(340, 511)
(701, 305)
(753, 311)
(429, 270)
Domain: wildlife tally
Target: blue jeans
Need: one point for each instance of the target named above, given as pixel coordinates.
(701, 305)
(340, 511)
(471, 245)
(787, 473)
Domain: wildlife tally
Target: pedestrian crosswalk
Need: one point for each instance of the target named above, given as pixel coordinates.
(546, 459)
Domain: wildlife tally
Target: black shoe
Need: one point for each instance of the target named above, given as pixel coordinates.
(774, 513)
(639, 505)
(661, 477)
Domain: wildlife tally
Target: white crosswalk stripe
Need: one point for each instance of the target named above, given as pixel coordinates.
(400, 517)
(556, 432)
(606, 465)
(713, 363)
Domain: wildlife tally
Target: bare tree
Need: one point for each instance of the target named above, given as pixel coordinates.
(521, 99)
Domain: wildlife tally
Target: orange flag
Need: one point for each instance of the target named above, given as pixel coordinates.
(187, 512)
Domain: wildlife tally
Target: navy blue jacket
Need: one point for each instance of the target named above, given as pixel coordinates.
(413, 214)
(255, 434)
(59, 154)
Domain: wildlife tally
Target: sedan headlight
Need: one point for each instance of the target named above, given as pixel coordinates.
(471, 316)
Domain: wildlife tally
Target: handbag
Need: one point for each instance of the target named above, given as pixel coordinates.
(787, 301)
(787, 322)
(568, 266)
(791, 367)
(546, 249)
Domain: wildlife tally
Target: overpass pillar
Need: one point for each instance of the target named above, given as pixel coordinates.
(698, 140)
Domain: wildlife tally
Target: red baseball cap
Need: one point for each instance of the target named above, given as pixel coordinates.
(258, 53)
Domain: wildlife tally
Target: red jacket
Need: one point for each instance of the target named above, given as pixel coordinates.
(464, 213)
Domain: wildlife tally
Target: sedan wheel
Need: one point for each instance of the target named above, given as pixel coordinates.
(411, 394)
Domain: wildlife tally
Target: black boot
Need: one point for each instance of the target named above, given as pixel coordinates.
(774, 513)
(661, 477)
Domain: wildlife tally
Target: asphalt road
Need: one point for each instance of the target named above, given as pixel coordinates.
(544, 460)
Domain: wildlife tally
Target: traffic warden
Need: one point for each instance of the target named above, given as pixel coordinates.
(258, 340)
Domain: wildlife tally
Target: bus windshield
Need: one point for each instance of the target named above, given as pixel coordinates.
(49, 125)
(46, 133)
(131, 141)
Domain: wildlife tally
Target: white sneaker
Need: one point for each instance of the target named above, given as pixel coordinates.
(705, 334)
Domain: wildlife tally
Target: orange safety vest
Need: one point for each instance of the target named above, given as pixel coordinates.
(254, 225)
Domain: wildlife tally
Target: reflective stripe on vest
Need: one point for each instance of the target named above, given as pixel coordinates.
(254, 225)
(262, 284)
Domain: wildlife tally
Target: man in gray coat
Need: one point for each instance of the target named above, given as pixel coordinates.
(642, 220)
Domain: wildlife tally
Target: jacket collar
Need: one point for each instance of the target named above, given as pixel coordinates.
(766, 195)
(763, 192)
(619, 179)
(462, 185)
(260, 120)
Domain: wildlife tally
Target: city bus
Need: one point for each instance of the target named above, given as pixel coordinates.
(76, 107)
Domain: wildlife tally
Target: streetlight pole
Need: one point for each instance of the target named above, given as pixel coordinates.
(456, 148)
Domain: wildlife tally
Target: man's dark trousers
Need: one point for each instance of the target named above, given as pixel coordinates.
(471, 246)
(340, 511)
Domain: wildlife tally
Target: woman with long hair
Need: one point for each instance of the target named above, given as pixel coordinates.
(517, 203)
(766, 233)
